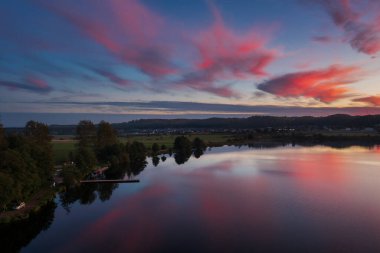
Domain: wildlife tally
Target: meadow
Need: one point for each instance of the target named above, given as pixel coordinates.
(62, 146)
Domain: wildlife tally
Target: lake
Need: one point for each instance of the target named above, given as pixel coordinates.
(231, 199)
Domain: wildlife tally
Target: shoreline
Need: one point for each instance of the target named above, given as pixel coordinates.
(33, 205)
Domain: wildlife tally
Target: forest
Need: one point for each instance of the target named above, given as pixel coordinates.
(27, 165)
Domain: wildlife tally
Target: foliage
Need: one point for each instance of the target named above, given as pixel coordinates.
(85, 157)
(26, 163)
(182, 145)
(86, 133)
(105, 138)
(183, 149)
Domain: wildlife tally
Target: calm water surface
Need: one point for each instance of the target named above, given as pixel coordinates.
(304, 199)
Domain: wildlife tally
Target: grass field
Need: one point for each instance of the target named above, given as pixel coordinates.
(62, 148)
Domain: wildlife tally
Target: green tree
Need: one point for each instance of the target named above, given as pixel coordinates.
(182, 145)
(86, 133)
(199, 144)
(85, 157)
(39, 139)
(106, 135)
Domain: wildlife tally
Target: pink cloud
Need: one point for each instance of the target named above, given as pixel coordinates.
(225, 52)
(126, 29)
(372, 100)
(360, 30)
(227, 55)
(326, 85)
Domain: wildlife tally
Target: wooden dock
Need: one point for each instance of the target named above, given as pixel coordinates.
(111, 181)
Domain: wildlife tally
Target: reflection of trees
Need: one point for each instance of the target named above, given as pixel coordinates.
(155, 160)
(86, 194)
(105, 191)
(198, 153)
(182, 147)
(182, 157)
(136, 167)
(16, 235)
(199, 147)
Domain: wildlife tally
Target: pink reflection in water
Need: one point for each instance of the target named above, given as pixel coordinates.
(282, 200)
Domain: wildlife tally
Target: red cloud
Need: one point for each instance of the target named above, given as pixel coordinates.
(325, 85)
(127, 29)
(225, 52)
(372, 100)
(226, 55)
(363, 35)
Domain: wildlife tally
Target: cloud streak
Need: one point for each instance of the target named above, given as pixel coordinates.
(361, 33)
(326, 85)
(176, 108)
(126, 29)
(114, 78)
(31, 84)
(371, 100)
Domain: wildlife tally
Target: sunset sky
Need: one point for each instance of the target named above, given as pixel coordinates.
(187, 58)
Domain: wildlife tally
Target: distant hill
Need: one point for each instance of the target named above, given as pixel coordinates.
(333, 121)
(337, 121)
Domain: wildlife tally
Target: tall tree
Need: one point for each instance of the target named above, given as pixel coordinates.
(106, 141)
(182, 145)
(39, 139)
(106, 135)
(86, 133)
(85, 157)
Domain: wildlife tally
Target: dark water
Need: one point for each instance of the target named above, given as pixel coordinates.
(284, 199)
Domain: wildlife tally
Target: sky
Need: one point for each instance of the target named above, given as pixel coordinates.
(130, 59)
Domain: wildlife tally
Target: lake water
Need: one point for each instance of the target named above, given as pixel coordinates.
(282, 199)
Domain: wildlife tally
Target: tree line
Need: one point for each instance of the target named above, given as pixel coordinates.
(26, 163)
(26, 158)
(337, 121)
